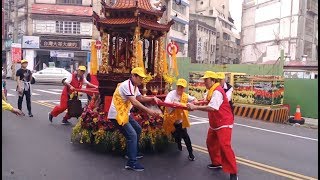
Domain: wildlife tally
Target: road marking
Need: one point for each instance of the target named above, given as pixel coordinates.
(53, 101)
(263, 167)
(262, 129)
(33, 94)
(200, 118)
(44, 104)
(276, 132)
(194, 123)
(50, 92)
(59, 90)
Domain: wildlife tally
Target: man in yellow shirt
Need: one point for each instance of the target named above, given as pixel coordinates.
(8, 107)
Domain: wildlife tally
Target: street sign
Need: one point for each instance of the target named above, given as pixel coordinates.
(98, 44)
(172, 45)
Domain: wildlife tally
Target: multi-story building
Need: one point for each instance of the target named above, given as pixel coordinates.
(3, 53)
(271, 26)
(178, 10)
(215, 13)
(54, 32)
(202, 42)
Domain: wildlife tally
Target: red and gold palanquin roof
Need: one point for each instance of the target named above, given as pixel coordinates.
(141, 5)
(130, 13)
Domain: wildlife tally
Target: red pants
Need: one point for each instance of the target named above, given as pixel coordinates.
(220, 150)
(62, 107)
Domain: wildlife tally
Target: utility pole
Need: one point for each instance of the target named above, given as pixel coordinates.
(15, 34)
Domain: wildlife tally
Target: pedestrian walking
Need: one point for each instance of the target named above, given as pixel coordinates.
(24, 76)
(176, 121)
(221, 121)
(74, 81)
(124, 97)
(227, 88)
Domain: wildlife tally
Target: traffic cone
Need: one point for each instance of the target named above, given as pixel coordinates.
(297, 117)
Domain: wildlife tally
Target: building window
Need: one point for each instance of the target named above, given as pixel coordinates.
(238, 41)
(67, 27)
(179, 8)
(226, 36)
(41, 26)
(212, 48)
(211, 12)
(177, 26)
(77, 2)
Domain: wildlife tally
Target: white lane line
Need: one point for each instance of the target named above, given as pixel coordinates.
(50, 92)
(58, 90)
(194, 123)
(262, 129)
(34, 94)
(276, 132)
(8, 94)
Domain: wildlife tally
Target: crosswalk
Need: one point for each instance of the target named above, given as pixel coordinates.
(37, 92)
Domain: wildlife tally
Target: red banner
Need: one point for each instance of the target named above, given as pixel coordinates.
(16, 52)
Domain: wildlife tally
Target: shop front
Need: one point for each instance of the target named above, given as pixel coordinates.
(63, 52)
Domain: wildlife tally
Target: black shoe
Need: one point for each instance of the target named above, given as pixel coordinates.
(233, 177)
(50, 117)
(136, 167)
(30, 115)
(211, 166)
(191, 157)
(65, 122)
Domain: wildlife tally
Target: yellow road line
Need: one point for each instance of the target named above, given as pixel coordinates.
(46, 104)
(264, 167)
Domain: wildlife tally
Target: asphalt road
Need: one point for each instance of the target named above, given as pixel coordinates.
(34, 149)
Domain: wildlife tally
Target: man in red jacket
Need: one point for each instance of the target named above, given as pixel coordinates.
(73, 82)
(221, 122)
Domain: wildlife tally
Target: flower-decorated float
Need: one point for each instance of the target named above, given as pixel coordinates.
(131, 37)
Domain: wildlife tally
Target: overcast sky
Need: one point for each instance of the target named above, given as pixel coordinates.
(235, 8)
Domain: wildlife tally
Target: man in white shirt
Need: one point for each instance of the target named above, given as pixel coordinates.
(126, 95)
(175, 121)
